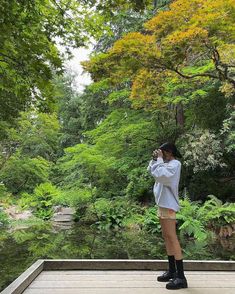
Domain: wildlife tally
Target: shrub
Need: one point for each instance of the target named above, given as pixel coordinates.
(202, 151)
(151, 220)
(113, 214)
(196, 218)
(6, 198)
(22, 174)
(190, 224)
(41, 200)
(4, 219)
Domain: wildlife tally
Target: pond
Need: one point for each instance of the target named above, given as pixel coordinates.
(22, 246)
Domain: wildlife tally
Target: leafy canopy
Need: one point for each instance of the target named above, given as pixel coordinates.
(191, 40)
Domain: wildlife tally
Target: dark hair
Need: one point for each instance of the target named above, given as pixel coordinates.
(170, 147)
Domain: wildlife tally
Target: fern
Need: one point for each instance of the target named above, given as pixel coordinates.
(195, 218)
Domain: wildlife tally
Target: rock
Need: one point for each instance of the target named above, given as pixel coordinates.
(14, 213)
(62, 218)
(67, 210)
(62, 226)
(63, 214)
(227, 231)
(57, 208)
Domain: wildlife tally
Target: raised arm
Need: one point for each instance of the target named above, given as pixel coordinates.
(162, 172)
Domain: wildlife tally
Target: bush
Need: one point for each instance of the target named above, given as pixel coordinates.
(151, 220)
(6, 198)
(41, 200)
(115, 213)
(22, 174)
(202, 151)
(4, 219)
(138, 183)
(216, 213)
(196, 219)
(191, 223)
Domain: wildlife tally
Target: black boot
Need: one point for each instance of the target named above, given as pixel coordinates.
(180, 280)
(177, 283)
(171, 273)
(165, 277)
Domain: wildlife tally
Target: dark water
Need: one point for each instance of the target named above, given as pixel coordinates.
(22, 247)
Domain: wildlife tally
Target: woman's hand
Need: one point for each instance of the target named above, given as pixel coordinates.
(160, 153)
(157, 153)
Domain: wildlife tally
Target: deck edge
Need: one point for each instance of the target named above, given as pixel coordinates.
(25, 279)
(134, 264)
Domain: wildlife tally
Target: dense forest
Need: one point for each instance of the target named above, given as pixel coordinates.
(161, 71)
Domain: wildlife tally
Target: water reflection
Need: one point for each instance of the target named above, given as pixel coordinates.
(22, 247)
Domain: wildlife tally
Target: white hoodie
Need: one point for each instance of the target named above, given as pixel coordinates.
(167, 177)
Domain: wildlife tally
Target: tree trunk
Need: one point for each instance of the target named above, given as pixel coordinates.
(180, 114)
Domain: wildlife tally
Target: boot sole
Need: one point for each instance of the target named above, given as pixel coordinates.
(182, 287)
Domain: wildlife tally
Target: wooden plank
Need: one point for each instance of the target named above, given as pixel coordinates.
(127, 284)
(129, 291)
(131, 272)
(126, 277)
(118, 265)
(122, 264)
(97, 264)
(22, 282)
(97, 277)
(99, 273)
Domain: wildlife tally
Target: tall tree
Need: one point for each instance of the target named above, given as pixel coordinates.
(190, 43)
(30, 33)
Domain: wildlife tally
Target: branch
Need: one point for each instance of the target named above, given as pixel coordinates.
(224, 180)
(11, 58)
(194, 76)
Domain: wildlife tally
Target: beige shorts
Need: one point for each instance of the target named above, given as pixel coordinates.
(166, 213)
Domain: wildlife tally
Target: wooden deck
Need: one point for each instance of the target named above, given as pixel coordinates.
(127, 282)
(119, 277)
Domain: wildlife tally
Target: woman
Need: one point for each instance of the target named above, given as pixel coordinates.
(165, 169)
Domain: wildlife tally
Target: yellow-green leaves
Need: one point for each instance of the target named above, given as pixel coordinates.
(192, 40)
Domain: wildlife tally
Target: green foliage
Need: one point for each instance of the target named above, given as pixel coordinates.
(202, 150)
(4, 219)
(202, 103)
(196, 218)
(29, 55)
(69, 104)
(228, 131)
(151, 220)
(197, 248)
(138, 183)
(41, 200)
(22, 173)
(6, 198)
(217, 213)
(109, 6)
(114, 214)
(78, 198)
(191, 224)
(113, 149)
(36, 134)
(121, 23)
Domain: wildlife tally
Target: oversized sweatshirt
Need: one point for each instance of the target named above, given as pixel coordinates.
(167, 176)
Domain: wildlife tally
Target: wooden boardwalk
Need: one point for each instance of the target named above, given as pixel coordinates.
(120, 277)
(127, 282)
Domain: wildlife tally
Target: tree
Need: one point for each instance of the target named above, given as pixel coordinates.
(22, 173)
(35, 134)
(192, 42)
(29, 55)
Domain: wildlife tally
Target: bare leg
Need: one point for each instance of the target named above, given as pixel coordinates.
(170, 237)
(173, 248)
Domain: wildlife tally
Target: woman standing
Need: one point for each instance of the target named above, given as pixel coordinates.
(165, 169)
